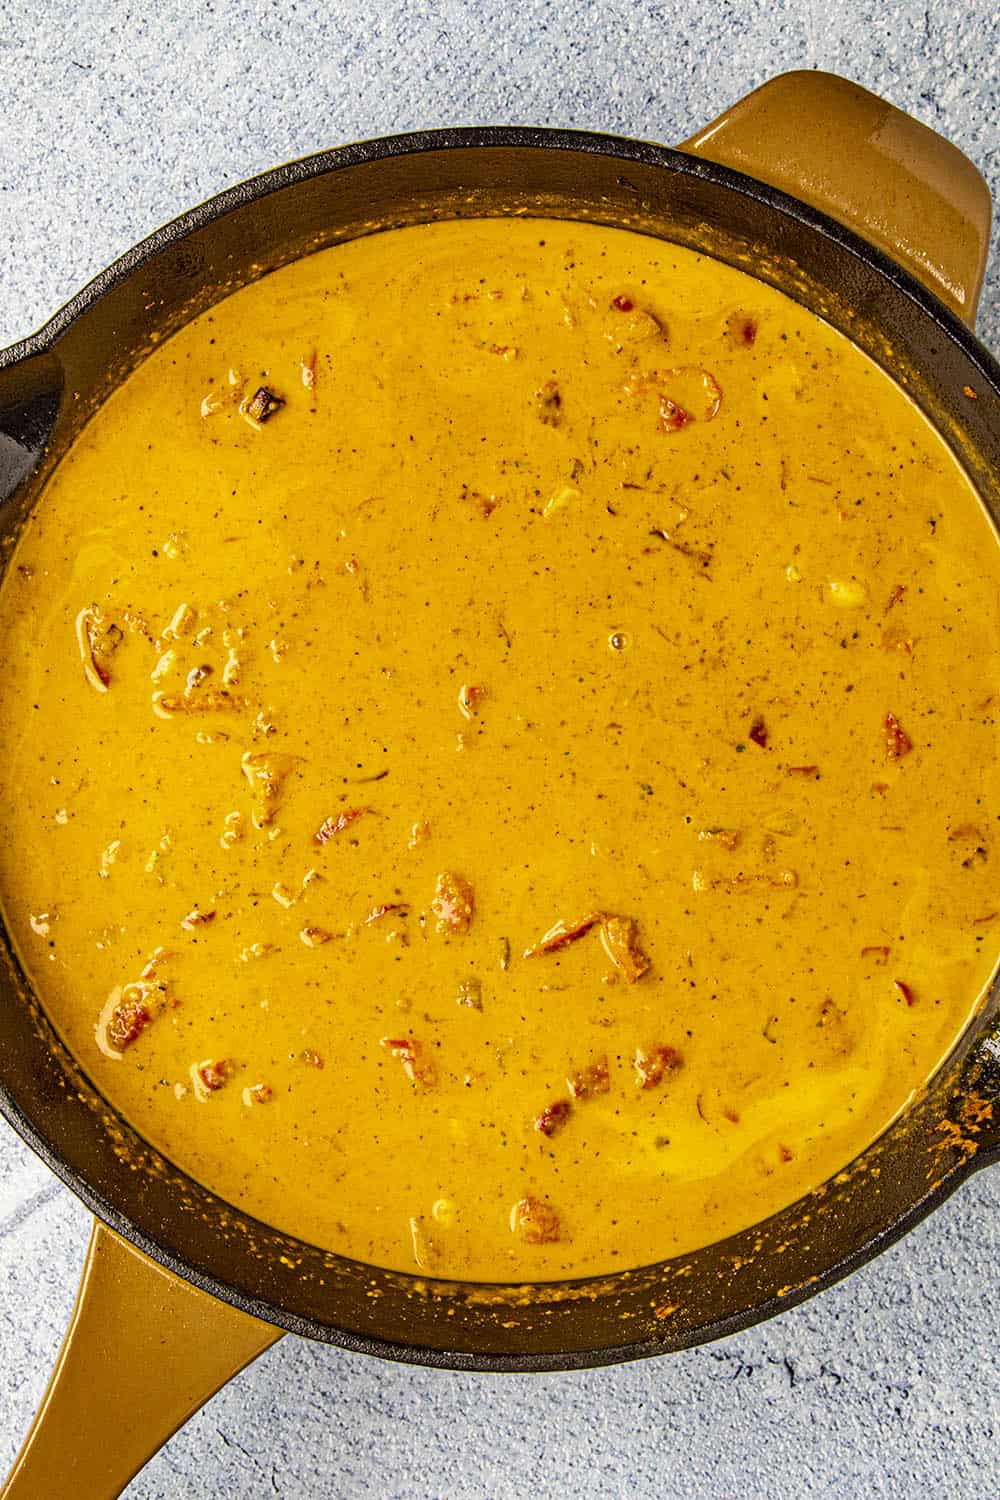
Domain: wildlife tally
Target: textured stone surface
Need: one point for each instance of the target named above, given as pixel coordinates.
(114, 118)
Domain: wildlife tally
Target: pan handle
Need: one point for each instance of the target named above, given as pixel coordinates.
(857, 158)
(142, 1352)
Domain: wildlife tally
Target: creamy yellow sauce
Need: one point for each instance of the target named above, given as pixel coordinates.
(449, 586)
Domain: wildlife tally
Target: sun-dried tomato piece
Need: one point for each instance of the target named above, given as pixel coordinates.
(897, 741)
(211, 1075)
(257, 1093)
(652, 1066)
(535, 1222)
(904, 991)
(620, 936)
(417, 1067)
(553, 1117)
(453, 904)
(337, 822)
(758, 732)
(590, 1081)
(262, 405)
(563, 933)
(129, 1018)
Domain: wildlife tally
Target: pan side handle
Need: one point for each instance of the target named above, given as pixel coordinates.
(143, 1351)
(865, 163)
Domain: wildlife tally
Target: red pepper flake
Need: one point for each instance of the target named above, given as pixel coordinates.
(553, 1117)
(653, 1066)
(731, 1115)
(590, 1081)
(878, 951)
(563, 933)
(804, 773)
(312, 1059)
(785, 1154)
(742, 329)
(620, 936)
(904, 991)
(898, 590)
(454, 903)
(622, 304)
(331, 826)
(673, 417)
(880, 788)
(758, 732)
(378, 912)
(308, 367)
(535, 1222)
(196, 919)
(409, 1051)
(897, 741)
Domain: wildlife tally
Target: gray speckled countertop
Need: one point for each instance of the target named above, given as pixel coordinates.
(114, 118)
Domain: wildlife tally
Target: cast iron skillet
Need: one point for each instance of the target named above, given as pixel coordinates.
(836, 147)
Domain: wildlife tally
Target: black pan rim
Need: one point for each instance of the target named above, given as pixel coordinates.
(418, 143)
(473, 137)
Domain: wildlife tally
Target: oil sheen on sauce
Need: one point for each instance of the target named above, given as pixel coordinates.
(498, 750)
